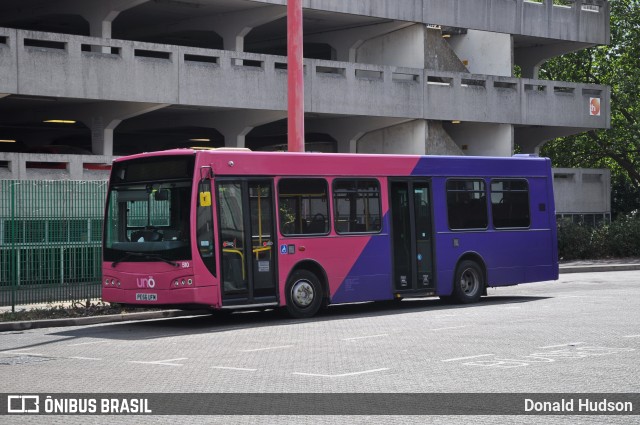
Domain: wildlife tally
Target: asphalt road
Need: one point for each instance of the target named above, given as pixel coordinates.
(580, 334)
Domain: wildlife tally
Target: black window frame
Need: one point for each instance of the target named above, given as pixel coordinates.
(327, 216)
(528, 192)
(335, 206)
(484, 208)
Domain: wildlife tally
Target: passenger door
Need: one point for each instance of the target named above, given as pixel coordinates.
(247, 239)
(412, 236)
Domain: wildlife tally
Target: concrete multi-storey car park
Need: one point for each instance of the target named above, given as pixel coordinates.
(383, 76)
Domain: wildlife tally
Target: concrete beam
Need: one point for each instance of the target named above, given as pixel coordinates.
(232, 27)
(531, 139)
(233, 125)
(531, 58)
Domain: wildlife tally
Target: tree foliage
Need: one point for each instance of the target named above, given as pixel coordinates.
(616, 65)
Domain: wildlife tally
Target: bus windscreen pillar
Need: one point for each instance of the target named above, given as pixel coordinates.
(295, 76)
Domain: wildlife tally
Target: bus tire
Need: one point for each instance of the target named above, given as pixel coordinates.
(304, 294)
(468, 283)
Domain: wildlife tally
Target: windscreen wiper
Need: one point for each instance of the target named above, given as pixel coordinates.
(129, 254)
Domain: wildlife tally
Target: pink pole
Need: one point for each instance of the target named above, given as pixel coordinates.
(295, 76)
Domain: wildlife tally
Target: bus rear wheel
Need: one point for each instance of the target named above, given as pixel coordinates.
(304, 294)
(468, 283)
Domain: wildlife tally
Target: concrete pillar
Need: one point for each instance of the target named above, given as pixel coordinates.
(102, 119)
(234, 27)
(101, 15)
(482, 139)
(484, 52)
(439, 142)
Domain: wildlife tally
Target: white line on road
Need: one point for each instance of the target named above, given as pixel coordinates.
(84, 358)
(563, 345)
(467, 358)
(162, 362)
(363, 337)
(87, 343)
(234, 368)
(22, 353)
(450, 327)
(631, 336)
(342, 374)
(266, 348)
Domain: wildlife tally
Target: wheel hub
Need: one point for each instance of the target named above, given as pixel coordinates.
(302, 293)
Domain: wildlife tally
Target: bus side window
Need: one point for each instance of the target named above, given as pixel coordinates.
(302, 206)
(356, 206)
(467, 204)
(510, 204)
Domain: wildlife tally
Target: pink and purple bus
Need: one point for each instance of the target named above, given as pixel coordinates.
(233, 229)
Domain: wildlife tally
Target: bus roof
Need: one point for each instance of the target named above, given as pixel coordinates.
(246, 162)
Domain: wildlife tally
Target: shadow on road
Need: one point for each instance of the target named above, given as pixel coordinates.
(206, 324)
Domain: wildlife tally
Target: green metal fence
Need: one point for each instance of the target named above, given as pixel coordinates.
(50, 240)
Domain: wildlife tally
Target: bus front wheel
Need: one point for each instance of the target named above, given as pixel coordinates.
(468, 283)
(304, 294)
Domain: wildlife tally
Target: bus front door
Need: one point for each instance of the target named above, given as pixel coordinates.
(412, 237)
(246, 226)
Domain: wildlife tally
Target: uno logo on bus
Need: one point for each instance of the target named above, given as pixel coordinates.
(146, 283)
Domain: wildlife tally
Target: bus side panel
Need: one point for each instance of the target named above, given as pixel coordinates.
(370, 277)
(358, 266)
(512, 256)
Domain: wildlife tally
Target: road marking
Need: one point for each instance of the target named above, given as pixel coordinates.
(631, 336)
(363, 337)
(342, 374)
(22, 353)
(163, 362)
(84, 358)
(265, 348)
(467, 358)
(87, 343)
(563, 345)
(450, 327)
(234, 368)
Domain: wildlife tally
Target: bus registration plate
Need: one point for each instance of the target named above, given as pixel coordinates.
(146, 297)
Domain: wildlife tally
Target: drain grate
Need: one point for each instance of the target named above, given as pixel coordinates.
(12, 361)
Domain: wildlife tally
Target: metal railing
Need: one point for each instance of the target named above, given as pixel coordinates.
(50, 240)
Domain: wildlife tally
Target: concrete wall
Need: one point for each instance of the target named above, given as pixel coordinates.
(408, 139)
(8, 62)
(484, 52)
(404, 48)
(482, 139)
(582, 191)
(22, 166)
(205, 77)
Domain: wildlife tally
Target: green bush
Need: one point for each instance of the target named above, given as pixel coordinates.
(619, 239)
